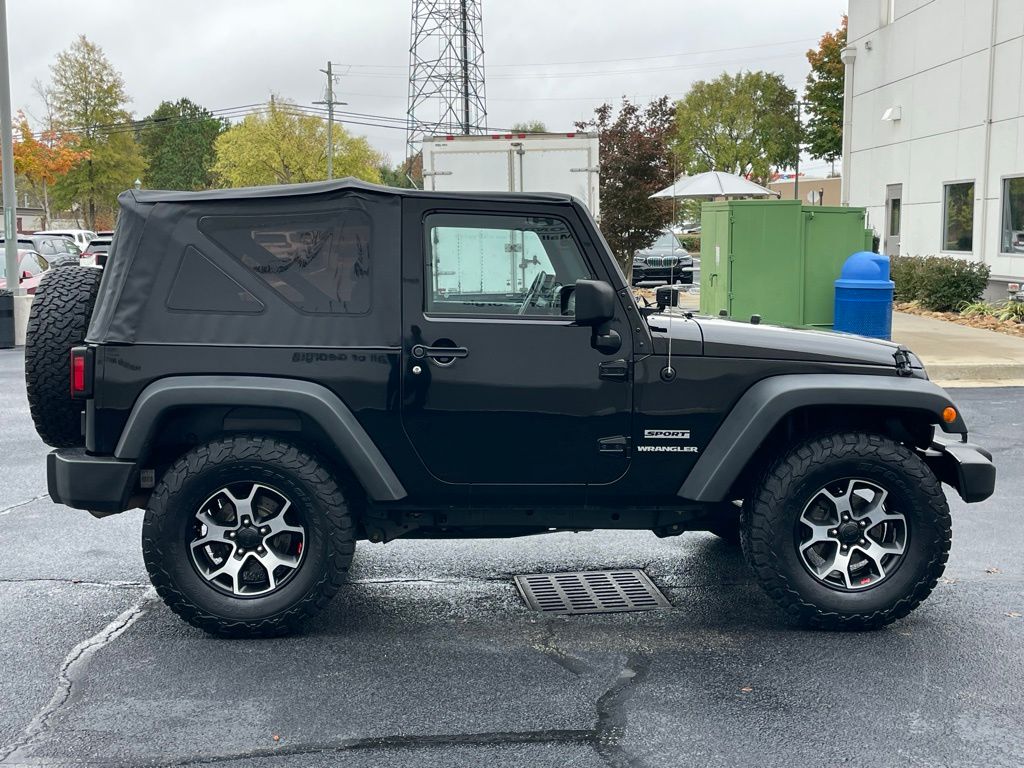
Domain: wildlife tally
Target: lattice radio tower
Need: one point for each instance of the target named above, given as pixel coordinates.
(446, 71)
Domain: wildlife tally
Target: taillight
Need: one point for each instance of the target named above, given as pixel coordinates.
(81, 372)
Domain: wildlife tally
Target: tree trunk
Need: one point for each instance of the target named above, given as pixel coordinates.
(90, 216)
(46, 206)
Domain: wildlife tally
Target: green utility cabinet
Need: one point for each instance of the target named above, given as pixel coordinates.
(776, 258)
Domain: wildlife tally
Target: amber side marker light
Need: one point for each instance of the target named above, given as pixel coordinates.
(949, 414)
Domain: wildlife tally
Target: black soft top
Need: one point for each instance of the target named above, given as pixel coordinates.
(328, 187)
(169, 281)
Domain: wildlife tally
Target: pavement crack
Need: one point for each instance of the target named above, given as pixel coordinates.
(547, 645)
(71, 671)
(13, 507)
(493, 738)
(611, 714)
(79, 583)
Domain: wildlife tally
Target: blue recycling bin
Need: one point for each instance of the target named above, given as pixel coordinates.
(864, 296)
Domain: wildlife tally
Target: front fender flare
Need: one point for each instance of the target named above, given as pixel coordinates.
(765, 404)
(315, 401)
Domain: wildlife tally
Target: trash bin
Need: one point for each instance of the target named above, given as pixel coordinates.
(6, 319)
(864, 296)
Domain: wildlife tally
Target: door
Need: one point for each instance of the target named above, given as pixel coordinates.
(893, 216)
(523, 398)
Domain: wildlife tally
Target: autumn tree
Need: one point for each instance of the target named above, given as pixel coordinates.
(743, 124)
(88, 98)
(823, 96)
(42, 161)
(178, 144)
(635, 163)
(284, 145)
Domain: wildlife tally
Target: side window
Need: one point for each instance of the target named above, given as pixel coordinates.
(31, 264)
(483, 264)
(319, 263)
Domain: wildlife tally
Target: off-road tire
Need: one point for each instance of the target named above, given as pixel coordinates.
(58, 321)
(191, 479)
(770, 514)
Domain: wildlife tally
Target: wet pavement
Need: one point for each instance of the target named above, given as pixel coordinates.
(429, 658)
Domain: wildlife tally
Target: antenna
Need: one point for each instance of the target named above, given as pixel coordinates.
(446, 72)
(668, 372)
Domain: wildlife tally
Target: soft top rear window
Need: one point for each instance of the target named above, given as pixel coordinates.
(318, 262)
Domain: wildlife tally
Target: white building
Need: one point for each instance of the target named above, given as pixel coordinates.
(934, 137)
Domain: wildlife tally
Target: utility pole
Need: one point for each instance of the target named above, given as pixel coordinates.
(799, 136)
(331, 103)
(7, 160)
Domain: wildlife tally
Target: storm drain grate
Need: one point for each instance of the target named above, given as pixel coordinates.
(590, 592)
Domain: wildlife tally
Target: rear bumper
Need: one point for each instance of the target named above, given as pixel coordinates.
(97, 483)
(965, 466)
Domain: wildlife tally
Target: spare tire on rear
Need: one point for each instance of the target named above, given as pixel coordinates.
(57, 322)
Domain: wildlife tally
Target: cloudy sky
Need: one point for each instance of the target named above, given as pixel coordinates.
(544, 60)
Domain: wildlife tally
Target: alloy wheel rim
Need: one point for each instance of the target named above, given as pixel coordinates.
(850, 537)
(247, 540)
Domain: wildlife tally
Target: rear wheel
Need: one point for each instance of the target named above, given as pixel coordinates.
(848, 531)
(247, 536)
(58, 321)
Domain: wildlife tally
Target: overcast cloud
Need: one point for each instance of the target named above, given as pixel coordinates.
(227, 53)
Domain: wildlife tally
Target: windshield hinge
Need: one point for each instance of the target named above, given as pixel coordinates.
(617, 445)
(614, 370)
(903, 366)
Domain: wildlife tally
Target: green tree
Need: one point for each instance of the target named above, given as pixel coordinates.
(283, 145)
(635, 163)
(393, 175)
(530, 126)
(743, 124)
(178, 144)
(823, 96)
(88, 98)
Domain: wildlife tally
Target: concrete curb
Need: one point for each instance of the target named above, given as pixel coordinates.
(970, 372)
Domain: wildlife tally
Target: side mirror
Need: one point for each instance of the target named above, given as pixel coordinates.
(595, 302)
(25, 274)
(666, 296)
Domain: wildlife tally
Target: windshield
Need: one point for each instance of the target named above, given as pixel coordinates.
(666, 240)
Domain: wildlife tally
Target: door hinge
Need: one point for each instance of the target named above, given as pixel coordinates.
(617, 445)
(614, 370)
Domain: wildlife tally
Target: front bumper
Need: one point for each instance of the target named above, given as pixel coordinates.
(100, 484)
(965, 466)
(677, 274)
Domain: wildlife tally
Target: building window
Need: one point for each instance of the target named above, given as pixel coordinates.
(958, 217)
(1013, 215)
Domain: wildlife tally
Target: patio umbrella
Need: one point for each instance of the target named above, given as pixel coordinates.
(714, 184)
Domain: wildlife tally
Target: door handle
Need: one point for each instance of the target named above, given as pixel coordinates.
(419, 352)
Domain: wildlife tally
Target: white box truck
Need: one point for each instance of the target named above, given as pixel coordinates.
(515, 162)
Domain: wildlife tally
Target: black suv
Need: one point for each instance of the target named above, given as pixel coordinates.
(277, 373)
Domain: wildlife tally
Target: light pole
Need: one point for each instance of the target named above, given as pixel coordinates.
(7, 161)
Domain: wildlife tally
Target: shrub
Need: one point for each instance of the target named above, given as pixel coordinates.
(903, 270)
(691, 243)
(977, 309)
(1011, 310)
(938, 283)
(945, 283)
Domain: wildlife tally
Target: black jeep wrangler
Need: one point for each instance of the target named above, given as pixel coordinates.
(276, 373)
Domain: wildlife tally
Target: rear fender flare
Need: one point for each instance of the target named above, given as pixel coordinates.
(315, 401)
(768, 401)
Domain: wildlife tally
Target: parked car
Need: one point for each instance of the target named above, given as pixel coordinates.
(104, 233)
(80, 237)
(58, 251)
(384, 364)
(95, 254)
(665, 260)
(32, 266)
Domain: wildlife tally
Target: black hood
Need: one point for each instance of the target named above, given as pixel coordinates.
(730, 338)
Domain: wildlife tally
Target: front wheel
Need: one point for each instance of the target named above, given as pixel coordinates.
(847, 531)
(247, 536)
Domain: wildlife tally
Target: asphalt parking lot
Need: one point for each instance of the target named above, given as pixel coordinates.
(429, 658)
